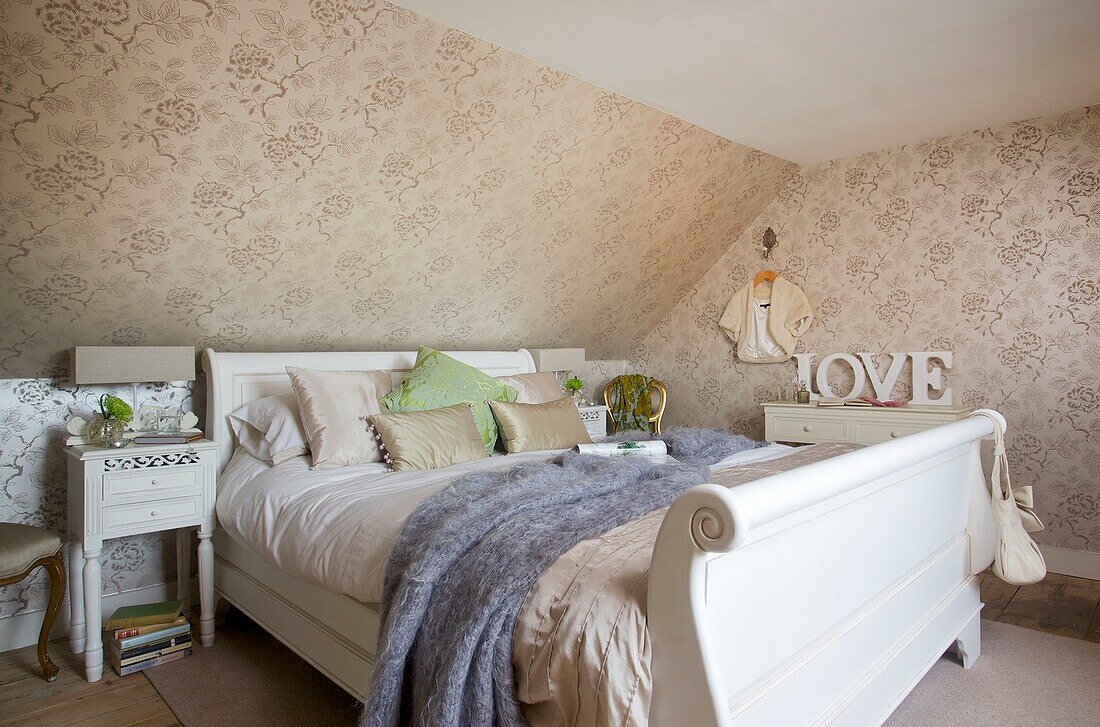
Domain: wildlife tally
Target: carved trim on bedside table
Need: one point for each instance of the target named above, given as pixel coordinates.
(153, 460)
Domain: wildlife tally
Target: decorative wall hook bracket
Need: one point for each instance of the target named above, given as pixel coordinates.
(770, 242)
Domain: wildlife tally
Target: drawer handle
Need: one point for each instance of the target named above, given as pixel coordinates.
(154, 482)
(895, 434)
(153, 513)
(808, 428)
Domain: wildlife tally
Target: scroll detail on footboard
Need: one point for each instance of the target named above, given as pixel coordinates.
(702, 520)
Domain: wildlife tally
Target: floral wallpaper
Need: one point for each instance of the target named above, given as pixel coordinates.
(986, 244)
(335, 174)
(33, 486)
(331, 174)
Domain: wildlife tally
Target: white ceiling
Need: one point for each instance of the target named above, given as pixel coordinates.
(809, 80)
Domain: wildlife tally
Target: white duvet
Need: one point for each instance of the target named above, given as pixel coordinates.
(335, 527)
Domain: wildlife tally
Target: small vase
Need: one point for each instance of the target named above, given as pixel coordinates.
(106, 432)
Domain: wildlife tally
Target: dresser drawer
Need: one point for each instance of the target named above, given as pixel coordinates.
(151, 483)
(875, 432)
(808, 429)
(149, 515)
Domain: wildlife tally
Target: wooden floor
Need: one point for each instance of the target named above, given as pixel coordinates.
(1059, 605)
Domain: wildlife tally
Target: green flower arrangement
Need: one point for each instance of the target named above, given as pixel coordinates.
(112, 407)
(573, 384)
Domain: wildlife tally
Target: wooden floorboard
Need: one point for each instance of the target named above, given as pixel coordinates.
(1094, 628)
(114, 701)
(996, 594)
(1058, 604)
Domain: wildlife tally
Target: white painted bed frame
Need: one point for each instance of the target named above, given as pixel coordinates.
(816, 596)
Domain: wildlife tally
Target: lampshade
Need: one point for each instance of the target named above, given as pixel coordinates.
(557, 359)
(129, 364)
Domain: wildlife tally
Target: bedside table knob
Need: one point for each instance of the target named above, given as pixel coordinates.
(895, 434)
(153, 513)
(808, 428)
(152, 482)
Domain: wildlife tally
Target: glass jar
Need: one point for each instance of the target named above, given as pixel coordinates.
(106, 432)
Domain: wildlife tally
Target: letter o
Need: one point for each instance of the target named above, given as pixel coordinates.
(858, 375)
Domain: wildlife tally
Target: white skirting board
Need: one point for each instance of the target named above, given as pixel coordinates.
(22, 629)
(1078, 563)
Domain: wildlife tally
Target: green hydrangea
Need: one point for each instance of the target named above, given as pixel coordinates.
(113, 407)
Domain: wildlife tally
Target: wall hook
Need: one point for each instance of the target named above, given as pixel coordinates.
(770, 242)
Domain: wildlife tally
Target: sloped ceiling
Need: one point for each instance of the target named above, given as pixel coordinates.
(336, 176)
(810, 80)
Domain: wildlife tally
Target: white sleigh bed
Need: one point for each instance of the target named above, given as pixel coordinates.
(820, 595)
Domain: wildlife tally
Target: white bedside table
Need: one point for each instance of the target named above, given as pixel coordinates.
(594, 417)
(114, 493)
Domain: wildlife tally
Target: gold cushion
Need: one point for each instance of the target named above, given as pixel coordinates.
(425, 440)
(332, 405)
(22, 545)
(532, 427)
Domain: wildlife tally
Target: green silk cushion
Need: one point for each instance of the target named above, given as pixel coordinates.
(437, 380)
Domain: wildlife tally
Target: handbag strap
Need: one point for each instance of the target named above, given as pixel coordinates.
(1001, 481)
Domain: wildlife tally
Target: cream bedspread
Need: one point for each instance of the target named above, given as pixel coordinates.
(581, 649)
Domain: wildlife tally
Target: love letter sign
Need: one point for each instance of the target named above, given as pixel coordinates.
(928, 368)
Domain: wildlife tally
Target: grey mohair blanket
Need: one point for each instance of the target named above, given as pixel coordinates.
(461, 568)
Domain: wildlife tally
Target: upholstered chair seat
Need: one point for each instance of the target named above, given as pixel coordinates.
(24, 548)
(21, 545)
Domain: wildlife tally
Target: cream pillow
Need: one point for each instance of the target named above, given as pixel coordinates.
(430, 439)
(333, 406)
(533, 427)
(534, 388)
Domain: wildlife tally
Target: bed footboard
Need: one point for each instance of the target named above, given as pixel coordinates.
(820, 595)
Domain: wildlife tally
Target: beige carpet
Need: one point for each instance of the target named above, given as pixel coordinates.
(1023, 678)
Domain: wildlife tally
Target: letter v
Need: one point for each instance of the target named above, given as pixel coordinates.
(884, 387)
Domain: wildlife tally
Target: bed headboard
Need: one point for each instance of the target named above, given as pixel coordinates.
(233, 379)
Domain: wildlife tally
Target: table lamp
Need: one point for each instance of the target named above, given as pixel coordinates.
(132, 365)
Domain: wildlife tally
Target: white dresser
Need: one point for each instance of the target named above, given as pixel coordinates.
(786, 421)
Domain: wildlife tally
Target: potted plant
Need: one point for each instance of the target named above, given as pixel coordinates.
(574, 385)
(108, 427)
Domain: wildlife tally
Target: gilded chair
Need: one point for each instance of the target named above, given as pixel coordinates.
(657, 391)
(23, 549)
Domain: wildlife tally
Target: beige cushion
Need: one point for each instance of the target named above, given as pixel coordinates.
(22, 545)
(424, 440)
(532, 427)
(534, 388)
(333, 406)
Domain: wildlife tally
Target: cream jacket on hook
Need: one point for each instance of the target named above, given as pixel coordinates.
(767, 333)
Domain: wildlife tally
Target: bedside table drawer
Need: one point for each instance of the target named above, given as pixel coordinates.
(151, 483)
(808, 429)
(148, 515)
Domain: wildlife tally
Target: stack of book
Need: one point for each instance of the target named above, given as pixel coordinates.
(147, 635)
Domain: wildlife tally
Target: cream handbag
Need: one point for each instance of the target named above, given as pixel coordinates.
(1016, 557)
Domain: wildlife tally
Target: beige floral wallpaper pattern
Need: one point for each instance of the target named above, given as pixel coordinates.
(319, 175)
(335, 174)
(986, 243)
